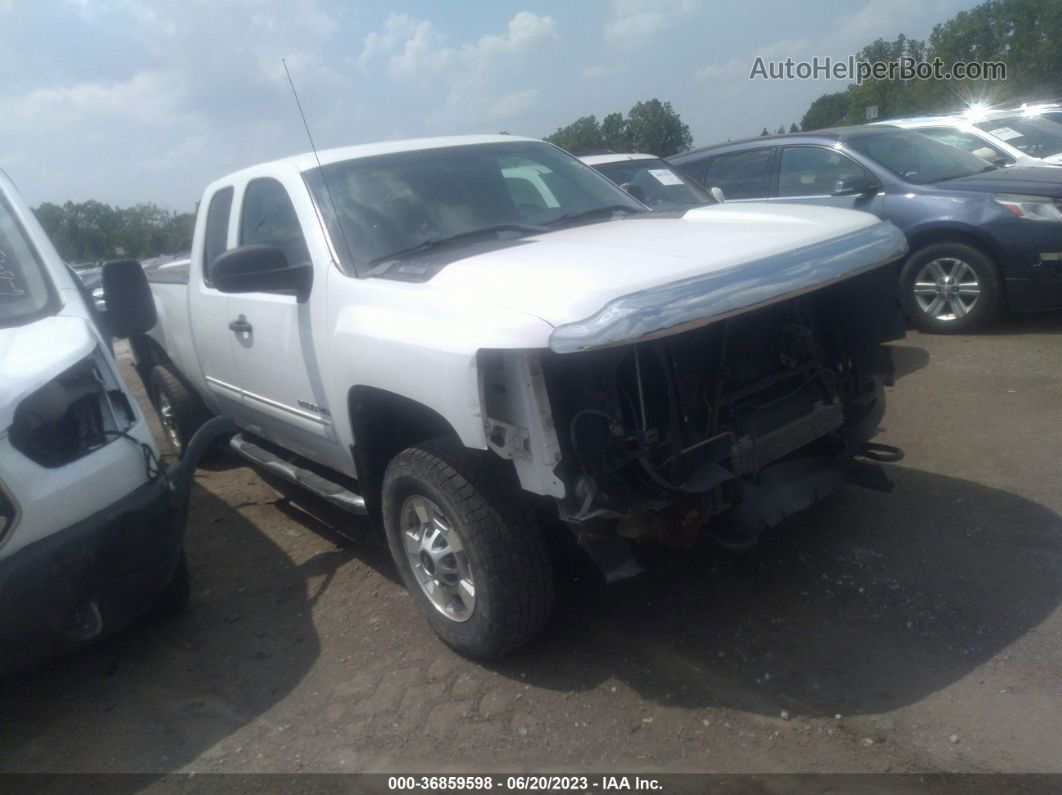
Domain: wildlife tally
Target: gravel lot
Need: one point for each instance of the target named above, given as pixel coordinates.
(918, 631)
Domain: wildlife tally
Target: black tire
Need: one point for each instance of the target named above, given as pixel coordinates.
(180, 410)
(945, 319)
(173, 601)
(504, 549)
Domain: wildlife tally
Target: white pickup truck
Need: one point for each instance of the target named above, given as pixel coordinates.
(473, 338)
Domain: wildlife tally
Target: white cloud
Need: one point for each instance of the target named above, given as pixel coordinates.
(415, 48)
(605, 70)
(634, 22)
(513, 104)
(146, 97)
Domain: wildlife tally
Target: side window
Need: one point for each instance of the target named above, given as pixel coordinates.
(966, 142)
(217, 229)
(694, 169)
(269, 219)
(814, 170)
(741, 175)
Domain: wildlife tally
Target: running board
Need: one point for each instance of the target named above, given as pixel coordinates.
(311, 481)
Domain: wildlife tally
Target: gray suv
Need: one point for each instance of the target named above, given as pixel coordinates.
(981, 238)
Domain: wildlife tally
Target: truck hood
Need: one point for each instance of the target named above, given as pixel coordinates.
(719, 258)
(1037, 181)
(33, 354)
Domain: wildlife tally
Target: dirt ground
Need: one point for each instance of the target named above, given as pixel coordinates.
(918, 631)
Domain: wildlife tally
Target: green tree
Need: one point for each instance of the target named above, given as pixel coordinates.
(91, 230)
(829, 110)
(655, 128)
(793, 128)
(892, 97)
(651, 126)
(615, 134)
(583, 133)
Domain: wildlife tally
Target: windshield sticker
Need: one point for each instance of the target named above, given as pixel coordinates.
(1004, 133)
(665, 176)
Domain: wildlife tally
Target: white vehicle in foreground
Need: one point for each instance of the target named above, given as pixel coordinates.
(91, 527)
(477, 340)
(1003, 138)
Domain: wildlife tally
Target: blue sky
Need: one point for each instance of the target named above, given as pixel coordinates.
(149, 100)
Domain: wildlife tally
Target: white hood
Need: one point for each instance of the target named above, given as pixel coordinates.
(570, 274)
(33, 354)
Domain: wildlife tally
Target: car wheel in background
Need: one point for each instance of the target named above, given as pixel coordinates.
(467, 547)
(950, 288)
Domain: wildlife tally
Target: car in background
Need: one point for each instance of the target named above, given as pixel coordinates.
(981, 238)
(1036, 135)
(964, 134)
(650, 180)
(1052, 111)
(91, 524)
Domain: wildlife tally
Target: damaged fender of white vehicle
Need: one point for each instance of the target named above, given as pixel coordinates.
(706, 298)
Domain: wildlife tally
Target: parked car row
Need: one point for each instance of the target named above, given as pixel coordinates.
(979, 200)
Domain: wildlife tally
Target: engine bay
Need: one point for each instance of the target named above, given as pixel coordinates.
(692, 419)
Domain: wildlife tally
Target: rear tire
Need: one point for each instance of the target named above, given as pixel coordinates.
(950, 288)
(180, 411)
(467, 547)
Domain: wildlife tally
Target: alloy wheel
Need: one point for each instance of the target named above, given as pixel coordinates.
(947, 288)
(437, 557)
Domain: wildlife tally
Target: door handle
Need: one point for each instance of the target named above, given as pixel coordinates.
(240, 325)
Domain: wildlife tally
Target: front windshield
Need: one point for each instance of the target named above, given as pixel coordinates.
(655, 183)
(1037, 137)
(378, 208)
(24, 290)
(918, 158)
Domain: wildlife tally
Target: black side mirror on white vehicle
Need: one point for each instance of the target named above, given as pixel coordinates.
(130, 307)
(855, 185)
(260, 269)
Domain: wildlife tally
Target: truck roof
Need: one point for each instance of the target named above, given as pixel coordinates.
(307, 160)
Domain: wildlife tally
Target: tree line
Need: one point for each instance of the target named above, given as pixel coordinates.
(651, 126)
(91, 231)
(1023, 34)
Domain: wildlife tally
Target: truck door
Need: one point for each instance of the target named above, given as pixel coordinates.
(274, 345)
(208, 308)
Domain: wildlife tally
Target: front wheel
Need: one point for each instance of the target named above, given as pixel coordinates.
(473, 560)
(180, 410)
(950, 288)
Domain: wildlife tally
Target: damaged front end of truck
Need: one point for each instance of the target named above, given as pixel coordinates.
(718, 405)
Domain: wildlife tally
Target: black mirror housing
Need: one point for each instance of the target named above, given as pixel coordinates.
(260, 269)
(855, 185)
(130, 307)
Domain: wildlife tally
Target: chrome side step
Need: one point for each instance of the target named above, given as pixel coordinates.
(311, 481)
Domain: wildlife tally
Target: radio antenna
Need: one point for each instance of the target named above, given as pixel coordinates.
(320, 168)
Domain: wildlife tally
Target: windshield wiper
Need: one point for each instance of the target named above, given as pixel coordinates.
(568, 218)
(424, 245)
